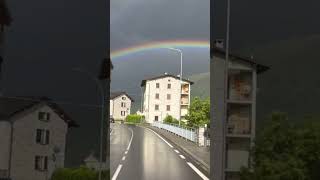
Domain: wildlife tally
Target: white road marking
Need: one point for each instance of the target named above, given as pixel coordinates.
(115, 175)
(182, 157)
(177, 151)
(197, 171)
(160, 137)
(130, 140)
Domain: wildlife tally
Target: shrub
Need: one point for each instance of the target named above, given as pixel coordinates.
(82, 173)
(134, 118)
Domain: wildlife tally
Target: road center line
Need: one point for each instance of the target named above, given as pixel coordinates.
(115, 175)
(130, 140)
(123, 158)
(177, 151)
(197, 171)
(182, 157)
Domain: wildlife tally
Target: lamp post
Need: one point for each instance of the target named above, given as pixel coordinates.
(102, 114)
(180, 89)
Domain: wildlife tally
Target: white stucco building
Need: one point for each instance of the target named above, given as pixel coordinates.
(32, 138)
(234, 125)
(120, 105)
(161, 96)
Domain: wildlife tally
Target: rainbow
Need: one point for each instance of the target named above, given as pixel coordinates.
(159, 45)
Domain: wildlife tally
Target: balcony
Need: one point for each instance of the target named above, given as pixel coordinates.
(240, 86)
(185, 89)
(239, 120)
(184, 100)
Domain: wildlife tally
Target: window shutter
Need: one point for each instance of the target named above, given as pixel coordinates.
(38, 136)
(47, 137)
(48, 116)
(45, 167)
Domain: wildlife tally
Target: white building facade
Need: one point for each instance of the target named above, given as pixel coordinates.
(33, 139)
(162, 96)
(234, 119)
(120, 105)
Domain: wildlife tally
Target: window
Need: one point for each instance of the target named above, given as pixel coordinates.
(123, 104)
(41, 163)
(123, 113)
(157, 96)
(157, 85)
(156, 107)
(42, 136)
(169, 86)
(123, 98)
(168, 96)
(168, 107)
(156, 118)
(43, 116)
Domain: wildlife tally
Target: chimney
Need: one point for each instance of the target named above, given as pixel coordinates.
(219, 43)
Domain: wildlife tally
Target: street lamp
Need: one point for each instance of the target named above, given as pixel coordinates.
(180, 89)
(102, 114)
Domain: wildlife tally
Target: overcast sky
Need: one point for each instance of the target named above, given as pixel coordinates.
(138, 21)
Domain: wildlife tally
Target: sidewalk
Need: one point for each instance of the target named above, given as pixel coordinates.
(200, 155)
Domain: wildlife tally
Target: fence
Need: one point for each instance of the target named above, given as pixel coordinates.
(187, 133)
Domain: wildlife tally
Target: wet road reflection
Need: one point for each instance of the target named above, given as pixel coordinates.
(149, 157)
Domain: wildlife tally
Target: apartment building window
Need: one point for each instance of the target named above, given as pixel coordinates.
(41, 163)
(169, 86)
(157, 95)
(123, 98)
(157, 85)
(156, 118)
(42, 136)
(156, 107)
(44, 116)
(168, 96)
(123, 113)
(168, 107)
(123, 104)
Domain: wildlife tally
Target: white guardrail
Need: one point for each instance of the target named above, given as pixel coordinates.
(187, 133)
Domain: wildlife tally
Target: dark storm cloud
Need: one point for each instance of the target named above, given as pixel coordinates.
(145, 20)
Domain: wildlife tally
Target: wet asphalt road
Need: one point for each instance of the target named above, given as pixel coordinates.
(148, 157)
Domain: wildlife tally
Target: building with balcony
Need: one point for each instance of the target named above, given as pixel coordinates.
(165, 95)
(234, 117)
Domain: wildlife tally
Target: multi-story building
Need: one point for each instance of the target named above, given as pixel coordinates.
(32, 138)
(120, 105)
(165, 95)
(234, 118)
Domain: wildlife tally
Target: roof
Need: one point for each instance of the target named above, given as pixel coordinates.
(221, 53)
(114, 95)
(5, 17)
(10, 106)
(164, 76)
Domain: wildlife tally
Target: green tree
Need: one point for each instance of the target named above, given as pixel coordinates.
(285, 151)
(199, 112)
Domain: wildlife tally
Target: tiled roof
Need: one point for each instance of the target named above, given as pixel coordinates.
(10, 106)
(163, 76)
(114, 95)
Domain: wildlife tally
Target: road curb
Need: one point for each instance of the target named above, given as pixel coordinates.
(200, 162)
